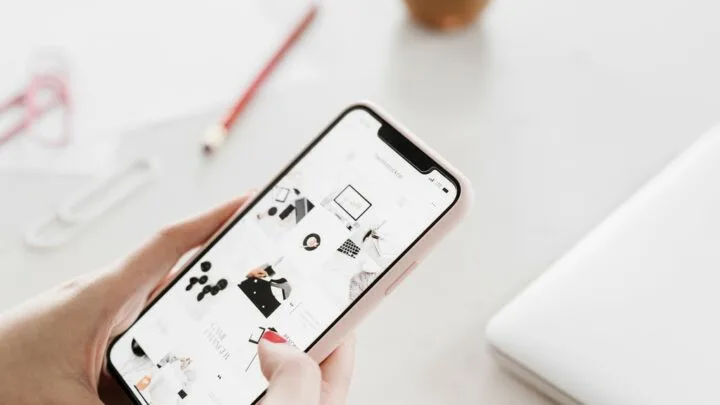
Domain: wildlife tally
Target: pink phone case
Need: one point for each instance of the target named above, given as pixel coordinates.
(397, 273)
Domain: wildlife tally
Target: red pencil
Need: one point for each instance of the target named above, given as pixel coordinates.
(215, 136)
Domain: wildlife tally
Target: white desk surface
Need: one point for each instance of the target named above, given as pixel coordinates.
(557, 111)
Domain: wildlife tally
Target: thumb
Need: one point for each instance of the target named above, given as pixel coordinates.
(294, 378)
(143, 270)
(125, 290)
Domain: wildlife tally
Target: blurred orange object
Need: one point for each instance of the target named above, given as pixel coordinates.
(446, 15)
(143, 383)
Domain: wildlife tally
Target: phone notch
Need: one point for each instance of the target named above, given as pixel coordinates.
(405, 148)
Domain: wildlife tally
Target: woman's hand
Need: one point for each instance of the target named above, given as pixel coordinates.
(52, 348)
(295, 379)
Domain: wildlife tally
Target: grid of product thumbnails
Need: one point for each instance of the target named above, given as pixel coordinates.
(291, 266)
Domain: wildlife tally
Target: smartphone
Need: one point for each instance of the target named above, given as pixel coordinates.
(335, 232)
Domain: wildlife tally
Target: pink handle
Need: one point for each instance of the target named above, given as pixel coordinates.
(28, 100)
(17, 101)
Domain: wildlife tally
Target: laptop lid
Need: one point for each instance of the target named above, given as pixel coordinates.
(631, 315)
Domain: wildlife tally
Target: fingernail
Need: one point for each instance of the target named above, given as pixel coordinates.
(271, 336)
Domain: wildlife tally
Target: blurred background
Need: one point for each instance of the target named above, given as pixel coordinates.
(556, 110)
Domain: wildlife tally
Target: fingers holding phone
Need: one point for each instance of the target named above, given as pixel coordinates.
(295, 379)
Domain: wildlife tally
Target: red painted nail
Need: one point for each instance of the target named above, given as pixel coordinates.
(271, 336)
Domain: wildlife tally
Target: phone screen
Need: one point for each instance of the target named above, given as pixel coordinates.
(298, 258)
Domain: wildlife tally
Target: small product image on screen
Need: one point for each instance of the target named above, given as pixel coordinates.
(292, 264)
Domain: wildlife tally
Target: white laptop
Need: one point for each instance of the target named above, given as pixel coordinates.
(631, 315)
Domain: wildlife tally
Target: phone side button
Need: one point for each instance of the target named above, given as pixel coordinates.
(402, 277)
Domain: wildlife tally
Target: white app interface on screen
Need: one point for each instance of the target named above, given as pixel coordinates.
(292, 265)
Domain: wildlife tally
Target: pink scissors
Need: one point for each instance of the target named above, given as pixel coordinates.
(47, 91)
